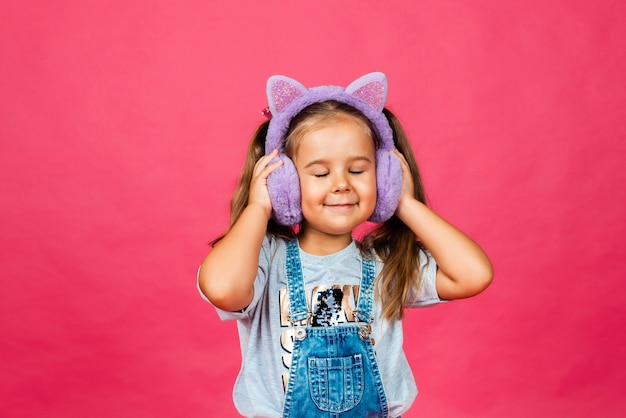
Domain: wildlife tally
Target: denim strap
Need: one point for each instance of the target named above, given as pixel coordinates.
(298, 307)
(363, 311)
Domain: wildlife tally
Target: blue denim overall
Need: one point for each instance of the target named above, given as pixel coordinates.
(333, 369)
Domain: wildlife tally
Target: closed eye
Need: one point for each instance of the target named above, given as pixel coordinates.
(356, 171)
(320, 175)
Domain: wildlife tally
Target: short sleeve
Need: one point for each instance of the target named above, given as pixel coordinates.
(426, 294)
(267, 248)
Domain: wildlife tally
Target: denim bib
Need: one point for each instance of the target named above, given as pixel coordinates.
(333, 369)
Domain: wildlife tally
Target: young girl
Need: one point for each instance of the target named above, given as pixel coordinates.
(320, 314)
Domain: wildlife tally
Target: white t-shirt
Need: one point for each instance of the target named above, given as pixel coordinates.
(266, 335)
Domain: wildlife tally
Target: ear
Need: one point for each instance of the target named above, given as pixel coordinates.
(282, 91)
(371, 89)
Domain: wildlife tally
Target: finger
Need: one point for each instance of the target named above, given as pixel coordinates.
(265, 166)
(264, 161)
(271, 167)
(404, 164)
(398, 154)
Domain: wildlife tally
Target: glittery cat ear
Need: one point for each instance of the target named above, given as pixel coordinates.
(281, 91)
(371, 89)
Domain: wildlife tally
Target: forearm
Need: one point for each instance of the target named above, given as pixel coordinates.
(228, 272)
(464, 268)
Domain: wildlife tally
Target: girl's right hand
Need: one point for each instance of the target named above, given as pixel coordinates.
(259, 195)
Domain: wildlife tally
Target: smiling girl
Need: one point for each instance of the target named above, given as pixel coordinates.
(320, 314)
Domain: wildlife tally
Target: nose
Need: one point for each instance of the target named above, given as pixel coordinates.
(340, 183)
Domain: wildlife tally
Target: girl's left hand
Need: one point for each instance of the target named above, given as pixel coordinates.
(408, 188)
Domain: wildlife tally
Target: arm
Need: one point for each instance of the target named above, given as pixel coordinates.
(464, 268)
(228, 272)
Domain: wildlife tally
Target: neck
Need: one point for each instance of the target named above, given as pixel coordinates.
(320, 244)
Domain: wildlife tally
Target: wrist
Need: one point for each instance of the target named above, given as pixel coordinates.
(257, 209)
(407, 205)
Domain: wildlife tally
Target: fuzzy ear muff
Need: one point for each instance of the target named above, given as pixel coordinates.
(388, 185)
(283, 186)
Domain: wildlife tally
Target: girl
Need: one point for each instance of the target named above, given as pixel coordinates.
(320, 314)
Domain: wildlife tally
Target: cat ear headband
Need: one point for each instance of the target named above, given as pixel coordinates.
(286, 98)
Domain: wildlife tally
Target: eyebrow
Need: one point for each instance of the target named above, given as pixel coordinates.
(353, 159)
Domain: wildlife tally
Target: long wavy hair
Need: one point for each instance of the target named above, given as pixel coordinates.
(395, 244)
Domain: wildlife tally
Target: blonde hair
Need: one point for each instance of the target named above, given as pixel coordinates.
(393, 241)
(396, 245)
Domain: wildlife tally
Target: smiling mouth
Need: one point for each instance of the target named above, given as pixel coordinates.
(342, 206)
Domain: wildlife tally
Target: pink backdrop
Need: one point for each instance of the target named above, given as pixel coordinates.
(123, 126)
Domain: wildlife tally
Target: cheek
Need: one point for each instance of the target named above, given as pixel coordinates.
(309, 190)
(370, 183)
(367, 189)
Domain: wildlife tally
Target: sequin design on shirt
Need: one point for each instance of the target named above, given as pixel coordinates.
(327, 308)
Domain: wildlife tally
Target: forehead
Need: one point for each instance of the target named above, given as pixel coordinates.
(346, 140)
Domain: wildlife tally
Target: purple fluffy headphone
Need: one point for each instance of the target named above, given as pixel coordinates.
(286, 98)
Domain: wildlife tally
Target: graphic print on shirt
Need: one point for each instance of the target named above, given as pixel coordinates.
(330, 306)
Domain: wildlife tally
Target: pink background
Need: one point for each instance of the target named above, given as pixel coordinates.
(123, 126)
